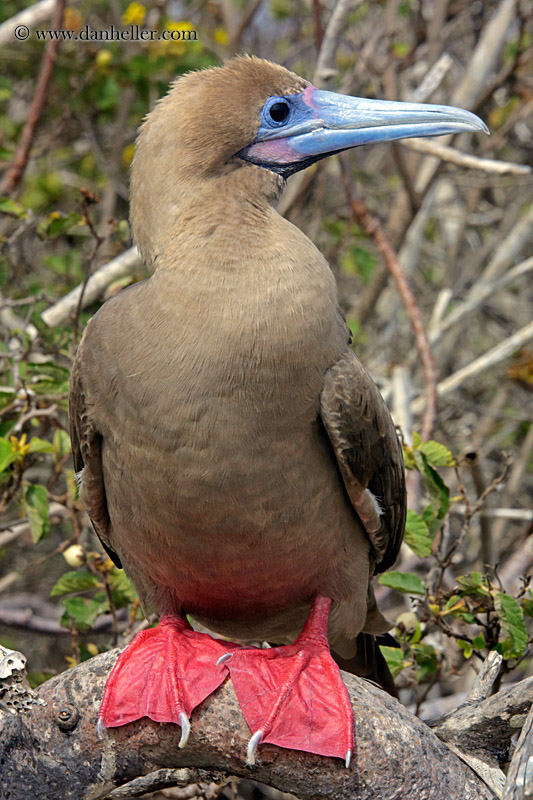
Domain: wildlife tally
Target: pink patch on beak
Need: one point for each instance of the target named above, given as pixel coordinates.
(274, 151)
(308, 96)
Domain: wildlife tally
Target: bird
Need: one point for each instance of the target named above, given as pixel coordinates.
(232, 452)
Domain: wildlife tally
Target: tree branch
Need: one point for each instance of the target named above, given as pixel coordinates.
(396, 754)
(15, 172)
(373, 230)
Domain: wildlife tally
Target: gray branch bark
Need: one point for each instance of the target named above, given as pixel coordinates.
(53, 751)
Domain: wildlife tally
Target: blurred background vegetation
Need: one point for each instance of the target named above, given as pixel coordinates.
(462, 234)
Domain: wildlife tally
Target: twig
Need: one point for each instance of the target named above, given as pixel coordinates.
(402, 391)
(56, 511)
(318, 29)
(518, 514)
(486, 678)
(97, 283)
(479, 67)
(484, 362)
(7, 581)
(88, 199)
(519, 468)
(13, 322)
(325, 65)
(478, 294)
(187, 778)
(247, 16)
(518, 565)
(460, 159)
(15, 172)
(373, 230)
(34, 412)
(432, 80)
(510, 248)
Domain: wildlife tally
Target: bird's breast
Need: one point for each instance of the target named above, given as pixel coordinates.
(212, 418)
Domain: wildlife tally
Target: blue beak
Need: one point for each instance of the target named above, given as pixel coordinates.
(301, 128)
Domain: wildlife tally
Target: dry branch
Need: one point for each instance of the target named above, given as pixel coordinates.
(15, 171)
(396, 754)
(480, 292)
(484, 362)
(460, 159)
(371, 227)
(122, 265)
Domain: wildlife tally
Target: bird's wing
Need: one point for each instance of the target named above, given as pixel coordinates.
(368, 452)
(86, 445)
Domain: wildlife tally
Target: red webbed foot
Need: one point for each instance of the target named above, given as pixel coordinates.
(293, 696)
(163, 674)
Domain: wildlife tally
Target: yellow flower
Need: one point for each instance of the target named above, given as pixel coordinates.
(134, 14)
(127, 154)
(103, 59)
(73, 19)
(175, 39)
(19, 445)
(220, 35)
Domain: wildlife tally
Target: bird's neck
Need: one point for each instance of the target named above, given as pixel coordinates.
(206, 217)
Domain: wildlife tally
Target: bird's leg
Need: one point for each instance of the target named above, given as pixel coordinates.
(293, 696)
(163, 674)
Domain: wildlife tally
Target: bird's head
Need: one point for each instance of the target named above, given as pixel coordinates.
(255, 123)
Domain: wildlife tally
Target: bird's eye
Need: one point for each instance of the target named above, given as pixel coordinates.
(279, 111)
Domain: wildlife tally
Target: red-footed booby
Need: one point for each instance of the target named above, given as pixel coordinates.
(233, 453)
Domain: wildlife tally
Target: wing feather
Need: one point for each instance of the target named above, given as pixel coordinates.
(87, 456)
(368, 452)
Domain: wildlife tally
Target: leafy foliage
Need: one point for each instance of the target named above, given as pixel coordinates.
(476, 614)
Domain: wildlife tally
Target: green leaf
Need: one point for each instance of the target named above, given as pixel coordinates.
(394, 658)
(61, 442)
(7, 454)
(437, 454)
(56, 223)
(527, 606)
(9, 206)
(73, 582)
(466, 647)
(82, 612)
(36, 506)
(439, 493)
(473, 584)
(433, 522)
(406, 582)
(408, 457)
(123, 589)
(512, 622)
(417, 534)
(37, 445)
(479, 642)
(426, 659)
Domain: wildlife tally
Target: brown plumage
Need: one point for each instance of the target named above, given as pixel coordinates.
(216, 406)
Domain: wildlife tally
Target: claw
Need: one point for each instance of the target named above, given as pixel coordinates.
(348, 758)
(185, 729)
(224, 658)
(252, 747)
